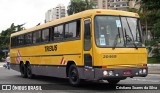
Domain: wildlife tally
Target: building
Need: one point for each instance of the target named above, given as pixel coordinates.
(115, 4)
(100, 4)
(134, 4)
(55, 13)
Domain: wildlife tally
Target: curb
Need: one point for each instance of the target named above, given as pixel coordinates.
(156, 65)
(1, 64)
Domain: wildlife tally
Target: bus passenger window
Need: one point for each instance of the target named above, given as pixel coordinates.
(28, 38)
(20, 40)
(37, 37)
(14, 41)
(78, 28)
(58, 32)
(45, 35)
(87, 35)
(72, 30)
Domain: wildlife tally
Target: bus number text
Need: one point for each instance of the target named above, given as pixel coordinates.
(50, 48)
(109, 56)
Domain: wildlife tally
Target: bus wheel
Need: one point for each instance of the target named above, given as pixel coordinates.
(73, 75)
(113, 81)
(29, 71)
(23, 70)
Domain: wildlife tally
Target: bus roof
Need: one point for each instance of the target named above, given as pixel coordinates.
(82, 14)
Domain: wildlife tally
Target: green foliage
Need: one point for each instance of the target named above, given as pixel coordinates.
(133, 10)
(156, 35)
(150, 18)
(153, 60)
(5, 35)
(150, 43)
(76, 6)
(156, 53)
(156, 30)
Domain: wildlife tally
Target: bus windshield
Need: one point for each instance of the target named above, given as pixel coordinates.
(118, 31)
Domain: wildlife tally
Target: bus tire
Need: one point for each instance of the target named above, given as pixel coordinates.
(73, 75)
(29, 71)
(23, 70)
(113, 81)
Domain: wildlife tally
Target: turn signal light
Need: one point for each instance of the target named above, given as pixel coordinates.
(98, 11)
(144, 65)
(104, 66)
(136, 14)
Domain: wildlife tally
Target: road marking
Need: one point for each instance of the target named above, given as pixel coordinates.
(145, 80)
(153, 74)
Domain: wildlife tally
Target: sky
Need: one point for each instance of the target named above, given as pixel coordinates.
(30, 12)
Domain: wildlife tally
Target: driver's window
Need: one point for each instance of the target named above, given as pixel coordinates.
(87, 35)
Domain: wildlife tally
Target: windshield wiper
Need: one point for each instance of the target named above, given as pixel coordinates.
(129, 39)
(131, 34)
(115, 41)
(135, 45)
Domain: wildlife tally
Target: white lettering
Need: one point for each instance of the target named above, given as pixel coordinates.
(134, 87)
(123, 87)
(34, 88)
(153, 87)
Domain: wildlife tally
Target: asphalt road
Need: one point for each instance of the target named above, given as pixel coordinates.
(62, 85)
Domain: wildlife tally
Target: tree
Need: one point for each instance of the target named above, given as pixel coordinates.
(151, 9)
(20, 27)
(133, 10)
(150, 18)
(148, 13)
(5, 35)
(76, 6)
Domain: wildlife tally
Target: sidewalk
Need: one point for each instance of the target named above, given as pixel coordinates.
(153, 68)
(1, 64)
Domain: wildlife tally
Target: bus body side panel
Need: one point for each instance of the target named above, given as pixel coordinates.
(54, 71)
(48, 59)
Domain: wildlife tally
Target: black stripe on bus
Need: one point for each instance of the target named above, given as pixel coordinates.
(57, 65)
(45, 65)
(47, 55)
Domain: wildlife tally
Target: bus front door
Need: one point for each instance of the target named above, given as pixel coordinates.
(87, 52)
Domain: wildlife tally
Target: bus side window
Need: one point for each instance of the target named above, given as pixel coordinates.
(28, 38)
(58, 33)
(20, 40)
(72, 29)
(45, 35)
(87, 35)
(36, 37)
(13, 41)
(67, 31)
(78, 29)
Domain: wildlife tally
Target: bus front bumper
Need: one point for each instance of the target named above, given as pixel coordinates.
(120, 73)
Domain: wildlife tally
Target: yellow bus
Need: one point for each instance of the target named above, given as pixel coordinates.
(91, 45)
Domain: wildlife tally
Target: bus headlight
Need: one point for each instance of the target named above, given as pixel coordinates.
(105, 73)
(110, 73)
(140, 71)
(144, 71)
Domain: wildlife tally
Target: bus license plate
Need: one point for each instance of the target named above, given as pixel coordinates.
(127, 73)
